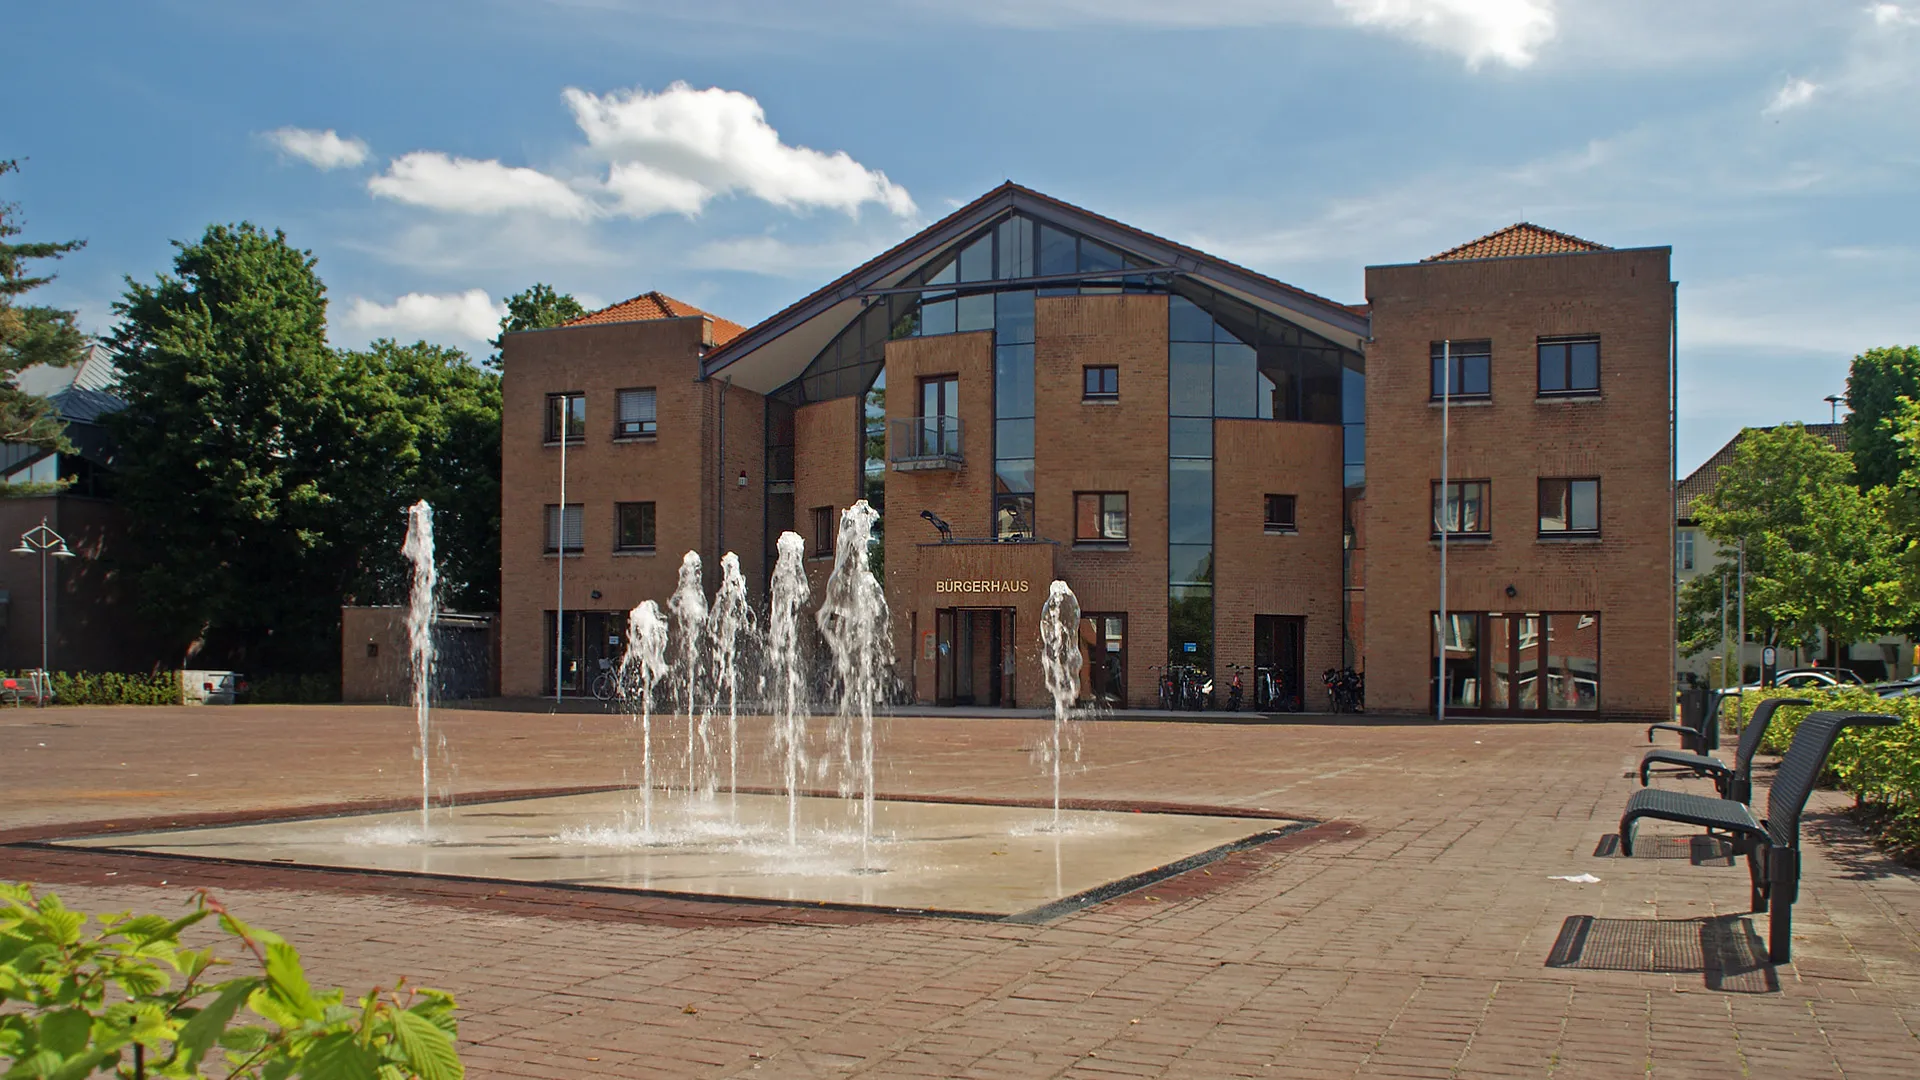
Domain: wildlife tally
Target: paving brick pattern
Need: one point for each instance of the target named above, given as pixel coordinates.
(1409, 936)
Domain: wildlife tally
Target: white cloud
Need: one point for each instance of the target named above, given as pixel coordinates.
(463, 185)
(1509, 31)
(679, 148)
(1795, 93)
(466, 316)
(320, 149)
(1893, 15)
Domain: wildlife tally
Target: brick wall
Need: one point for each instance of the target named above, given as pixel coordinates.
(1622, 437)
(826, 472)
(676, 470)
(1257, 573)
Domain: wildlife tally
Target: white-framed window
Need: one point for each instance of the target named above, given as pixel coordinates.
(1683, 548)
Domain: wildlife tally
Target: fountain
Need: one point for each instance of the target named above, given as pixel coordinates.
(644, 664)
(731, 620)
(1060, 662)
(786, 690)
(784, 844)
(418, 550)
(689, 607)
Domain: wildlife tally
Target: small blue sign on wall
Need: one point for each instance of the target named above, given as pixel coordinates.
(1192, 646)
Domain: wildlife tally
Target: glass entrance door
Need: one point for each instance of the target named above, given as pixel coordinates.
(973, 662)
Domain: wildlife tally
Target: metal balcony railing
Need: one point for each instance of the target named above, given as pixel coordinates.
(926, 442)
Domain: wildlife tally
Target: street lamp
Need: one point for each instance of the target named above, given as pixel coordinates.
(43, 541)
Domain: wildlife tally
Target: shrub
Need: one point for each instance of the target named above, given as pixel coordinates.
(1879, 766)
(294, 689)
(76, 1005)
(110, 687)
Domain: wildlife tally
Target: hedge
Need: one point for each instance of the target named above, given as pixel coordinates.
(1879, 766)
(109, 687)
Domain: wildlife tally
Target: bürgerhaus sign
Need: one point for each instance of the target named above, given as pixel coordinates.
(980, 586)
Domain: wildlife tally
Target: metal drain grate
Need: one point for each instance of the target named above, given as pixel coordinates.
(1700, 849)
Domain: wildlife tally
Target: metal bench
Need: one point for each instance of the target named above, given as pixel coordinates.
(1699, 734)
(1733, 781)
(1771, 845)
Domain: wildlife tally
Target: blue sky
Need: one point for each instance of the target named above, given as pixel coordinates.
(437, 156)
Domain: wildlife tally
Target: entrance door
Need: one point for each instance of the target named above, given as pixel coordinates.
(939, 409)
(594, 641)
(974, 661)
(1103, 649)
(1513, 662)
(1279, 663)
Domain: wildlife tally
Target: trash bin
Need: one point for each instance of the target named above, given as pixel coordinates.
(1695, 713)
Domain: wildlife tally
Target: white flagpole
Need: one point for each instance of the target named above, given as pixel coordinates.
(1446, 432)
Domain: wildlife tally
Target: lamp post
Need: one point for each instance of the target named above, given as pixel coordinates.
(43, 541)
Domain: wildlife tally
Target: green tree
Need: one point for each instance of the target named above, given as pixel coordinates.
(30, 334)
(429, 423)
(535, 308)
(232, 445)
(1820, 552)
(1879, 384)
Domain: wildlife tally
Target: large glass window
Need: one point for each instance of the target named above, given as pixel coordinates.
(1570, 365)
(1472, 365)
(1462, 508)
(1100, 517)
(1456, 658)
(633, 526)
(1013, 472)
(1573, 661)
(637, 413)
(573, 408)
(1569, 507)
(565, 532)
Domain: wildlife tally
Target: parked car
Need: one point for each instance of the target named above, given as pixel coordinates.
(1898, 688)
(1822, 678)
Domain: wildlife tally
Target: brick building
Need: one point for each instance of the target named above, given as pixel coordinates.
(1031, 391)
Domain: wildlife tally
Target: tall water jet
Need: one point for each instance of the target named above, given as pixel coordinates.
(729, 621)
(853, 619)
(641, 666)
(689, 608)
(1060, 661)
(420, 604)
(786, 689)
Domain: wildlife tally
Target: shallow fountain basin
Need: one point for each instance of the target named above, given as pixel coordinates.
(950, 858)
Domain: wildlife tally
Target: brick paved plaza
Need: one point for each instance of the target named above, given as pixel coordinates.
(1407, 935)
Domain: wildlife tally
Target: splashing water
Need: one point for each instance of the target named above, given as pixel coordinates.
(1060, 660)
(787, 688)
(729, 622)
(853, 619)
(643, 665)
(420, 604)
(689, 608)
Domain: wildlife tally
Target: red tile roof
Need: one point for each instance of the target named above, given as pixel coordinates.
(1701, 482)
(658, 305)
(1523, 238)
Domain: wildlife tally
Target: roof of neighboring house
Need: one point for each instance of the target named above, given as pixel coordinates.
(1520, 238)
(93, 371)
(658, 305)
(1700, 483)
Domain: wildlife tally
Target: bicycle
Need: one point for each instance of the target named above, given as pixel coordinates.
(605, 684)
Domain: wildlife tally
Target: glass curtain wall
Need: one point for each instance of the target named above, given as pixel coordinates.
(1192, 381)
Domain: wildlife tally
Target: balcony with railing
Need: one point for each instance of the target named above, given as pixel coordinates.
(926, 442)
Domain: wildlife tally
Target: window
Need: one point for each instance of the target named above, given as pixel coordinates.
(1102, 383)
(1099, 517)
(822, 531)
(636, 414)
(1471, 363)
(1280, 513)
(633, 526)
(1570, 365)
(573, 407)
(1464, 511)
(565, 533)
(1570, 507)
(1683, 548)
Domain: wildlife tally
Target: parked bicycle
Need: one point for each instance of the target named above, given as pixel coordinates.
(606, 684)
(1236, 690)
(1346, 690)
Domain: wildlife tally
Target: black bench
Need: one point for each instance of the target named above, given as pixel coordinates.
(1699, 734)
(1771, 845)
(1736, 781)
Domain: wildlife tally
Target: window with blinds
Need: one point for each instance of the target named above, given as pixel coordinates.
(565, 532)
(636, 414)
